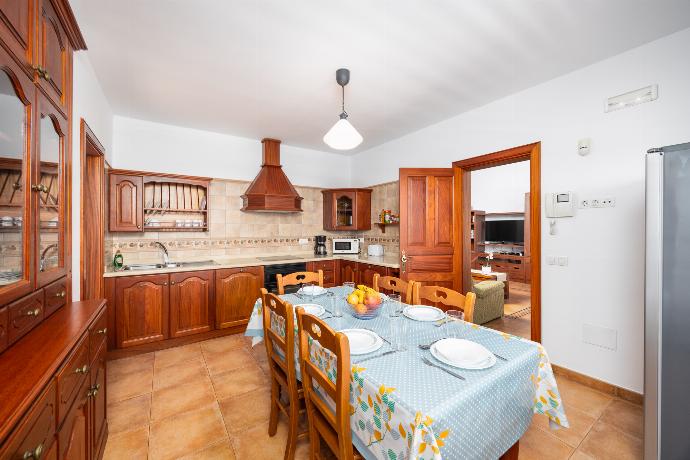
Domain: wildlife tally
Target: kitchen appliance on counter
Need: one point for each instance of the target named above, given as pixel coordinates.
(375, 250)
(320, 245)
(271, 281)
(345, 245)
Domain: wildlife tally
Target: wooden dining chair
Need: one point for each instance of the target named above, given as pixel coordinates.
(279, 336)
(391, 283)
(298, 278)
(446, 297)
(325, 361)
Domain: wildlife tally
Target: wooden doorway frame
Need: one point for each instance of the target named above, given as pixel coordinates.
(462, 170)
(90, 146)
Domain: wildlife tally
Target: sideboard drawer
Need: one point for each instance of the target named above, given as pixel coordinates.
(97, 334)
(36, 433)
(71, 376)
(56, 296)
(24, 315)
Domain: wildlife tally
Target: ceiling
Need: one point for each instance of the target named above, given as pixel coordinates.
(266, 68)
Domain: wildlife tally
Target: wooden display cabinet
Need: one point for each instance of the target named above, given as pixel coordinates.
(347, 209)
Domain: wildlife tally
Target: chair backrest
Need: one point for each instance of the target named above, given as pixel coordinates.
(446, 297)
(325, 361)
(279, 336)
(298, 278)
(391, 283)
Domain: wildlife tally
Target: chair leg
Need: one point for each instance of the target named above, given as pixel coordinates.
(275, 396)
(315, 441)
(293, 429)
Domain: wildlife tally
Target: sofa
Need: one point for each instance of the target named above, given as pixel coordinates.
(489, 303)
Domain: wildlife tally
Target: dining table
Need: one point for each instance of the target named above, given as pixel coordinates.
(406, 404)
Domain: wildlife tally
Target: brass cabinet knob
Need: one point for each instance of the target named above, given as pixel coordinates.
(82, 370)
(39, 188)
(34, 312)
(93, 391)
(172, 282)
(61, 294)
(102, 331)
(35, 454)
(138, 226)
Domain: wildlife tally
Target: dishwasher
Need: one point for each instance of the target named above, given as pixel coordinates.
(270, 272)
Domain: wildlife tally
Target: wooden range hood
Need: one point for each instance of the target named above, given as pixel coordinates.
(271, 190)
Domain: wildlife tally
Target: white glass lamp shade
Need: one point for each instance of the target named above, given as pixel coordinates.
(342, 136)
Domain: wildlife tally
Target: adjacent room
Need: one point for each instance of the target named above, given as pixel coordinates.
(391, 230)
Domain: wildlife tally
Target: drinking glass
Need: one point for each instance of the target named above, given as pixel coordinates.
(336, 306)
(394, 305)
(456, 324)
(350, 285)
(398, 332)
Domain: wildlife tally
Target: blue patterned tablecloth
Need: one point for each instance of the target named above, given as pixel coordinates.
(402, 409)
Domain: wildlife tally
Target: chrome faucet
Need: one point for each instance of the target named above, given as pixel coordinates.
(42, 262)
(166, 258)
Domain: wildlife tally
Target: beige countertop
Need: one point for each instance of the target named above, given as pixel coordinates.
(388, 260)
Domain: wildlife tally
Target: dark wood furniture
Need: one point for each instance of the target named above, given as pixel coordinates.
(347, 209)
(236, 292)
(477, 219)
(37, 40)
(141, 201)
(330, 269)
(191, 303)
(349, 271)
(53, 387)
(362, 272)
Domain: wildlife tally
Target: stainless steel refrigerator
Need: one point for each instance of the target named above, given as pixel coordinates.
(667, 304)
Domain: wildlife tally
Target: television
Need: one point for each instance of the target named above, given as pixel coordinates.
(505, 231)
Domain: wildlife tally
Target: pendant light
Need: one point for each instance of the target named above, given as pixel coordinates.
(342, 136)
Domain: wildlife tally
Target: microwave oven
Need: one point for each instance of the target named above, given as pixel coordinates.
(345, 246)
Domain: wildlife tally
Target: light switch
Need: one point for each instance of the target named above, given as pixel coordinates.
(562, 261)
(551, 260)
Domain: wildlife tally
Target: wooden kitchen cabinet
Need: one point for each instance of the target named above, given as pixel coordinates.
(73, 437)
(349, 271)
(37, 433)
(98, 422)
(236, 292)
(367, 271)
(347, 209)
(328, 267)
(126, 203)
(141, 309)
(54, 60)
(191, 302)
(17, 29)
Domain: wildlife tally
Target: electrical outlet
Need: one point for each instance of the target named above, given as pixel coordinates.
(608, 202)
(595, 203)
(303, 241)
(584, 204)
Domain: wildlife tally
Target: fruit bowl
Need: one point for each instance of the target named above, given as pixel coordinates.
(364, 302)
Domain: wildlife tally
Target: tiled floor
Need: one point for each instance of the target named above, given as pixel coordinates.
(210, 401)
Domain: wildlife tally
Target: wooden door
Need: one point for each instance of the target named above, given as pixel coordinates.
(237, 290)
(126, 203)
(98, 426)
(141, 309)
(349, 271)
(54, 55)
(51, 225)
(191, 300)
(367, 271)
(17, 28)
(36, 433)
(73, 437)
(426, 226)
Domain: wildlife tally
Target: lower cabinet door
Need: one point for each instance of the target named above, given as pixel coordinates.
(73, 437)
(367, 271)
(348, 272)
(236, 292)
(97, 412)
(191, 298)
(36, 434)
(141, 309)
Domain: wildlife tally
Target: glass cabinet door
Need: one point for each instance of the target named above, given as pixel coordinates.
(15, 118)
(344, 208)
(49, 184)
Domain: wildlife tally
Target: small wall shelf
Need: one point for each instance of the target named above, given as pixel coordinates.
(383, 226)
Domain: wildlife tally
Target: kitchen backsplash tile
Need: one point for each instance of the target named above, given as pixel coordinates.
(233, 232)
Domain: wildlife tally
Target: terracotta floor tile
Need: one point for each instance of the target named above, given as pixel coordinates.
(228, 342)
(129, 385)
(625, 416)
(186, 433)
(259, 352)
(220, 451)
(134, 364)
(227, 360)
(245, 411)
(180, 373)
(132, 445)
(605, 442)
(580, 423)
(129, 414)
(579, 455)
(540, 445)
(177, 355)
(239, 381)
(181, 398)
(255, 442)
(581, 397)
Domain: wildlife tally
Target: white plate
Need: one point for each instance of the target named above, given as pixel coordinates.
(312, 309)
(362, 341)
(485, 364)
(312, 290)
(424, 313)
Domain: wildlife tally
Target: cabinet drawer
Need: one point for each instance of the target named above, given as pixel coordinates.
(35, 435)
(97, 334)
(71, 376)
(24, 315)
(329, 279)
(56, 296)
(4, 319)
(325, 265)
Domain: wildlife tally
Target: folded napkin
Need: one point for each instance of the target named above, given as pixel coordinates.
(460, 351)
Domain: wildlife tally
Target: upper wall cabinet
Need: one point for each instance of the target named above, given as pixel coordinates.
(17, 29)
(347, 209)
(54, 56)
(126, 203)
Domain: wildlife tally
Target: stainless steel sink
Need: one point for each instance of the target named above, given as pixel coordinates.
(135, 267)
(143, 266)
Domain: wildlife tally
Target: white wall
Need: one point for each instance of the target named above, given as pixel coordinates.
(501, 188)
(603, 283)
(88, 103)
(150, 146)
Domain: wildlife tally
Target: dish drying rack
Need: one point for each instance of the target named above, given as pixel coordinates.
(175, 206)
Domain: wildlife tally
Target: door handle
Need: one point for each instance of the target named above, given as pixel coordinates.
(403, 261)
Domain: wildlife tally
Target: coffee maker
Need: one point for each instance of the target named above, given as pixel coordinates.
(320, 245)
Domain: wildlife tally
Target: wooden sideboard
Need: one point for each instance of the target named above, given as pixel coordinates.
(53, 387)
